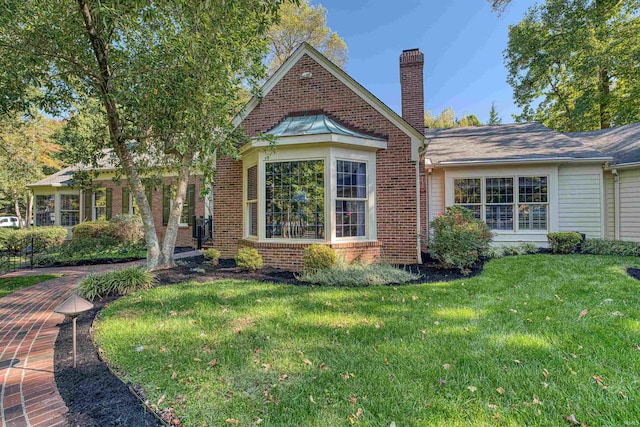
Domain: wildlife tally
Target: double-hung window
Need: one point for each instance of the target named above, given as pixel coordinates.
(506, 203)
(45, 210)
(351, 199)
(252, 200)
(69, 210)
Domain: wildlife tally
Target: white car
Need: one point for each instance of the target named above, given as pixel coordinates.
(9, 221)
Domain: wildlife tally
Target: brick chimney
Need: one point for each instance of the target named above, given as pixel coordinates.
(412, 87)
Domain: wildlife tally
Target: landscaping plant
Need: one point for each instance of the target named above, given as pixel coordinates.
(117, 282)
(212, 255)
(610, 247)
(128, 229)
(458, 238)
(317, 257)
(510, 250)
(91, 229)
(358, 275)
(248, 259)
(564, 242)
(43, 238)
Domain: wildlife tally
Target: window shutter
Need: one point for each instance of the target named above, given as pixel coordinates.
(87, 205)
(125, 200)
(166, 203)
(191, 197)
(149, 190)
(108, 192)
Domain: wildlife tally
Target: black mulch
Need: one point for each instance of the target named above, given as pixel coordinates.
(634, 272)
(95, 397)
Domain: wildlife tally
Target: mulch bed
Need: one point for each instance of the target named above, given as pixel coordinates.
(96, 397)
(634, 272)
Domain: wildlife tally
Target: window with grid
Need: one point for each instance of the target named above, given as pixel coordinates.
(252, 200)
(351, 199)
(45, 210)
(499, 203)
(468, 194)
(533, 202)
(294, 200)
(100, 204)
(69, 210)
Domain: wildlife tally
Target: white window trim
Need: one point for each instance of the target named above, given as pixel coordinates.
(329, 155)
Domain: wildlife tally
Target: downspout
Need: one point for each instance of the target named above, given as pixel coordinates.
(429, 168)
(616, 204)
(418, 209)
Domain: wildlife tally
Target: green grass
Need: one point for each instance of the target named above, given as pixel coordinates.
(433, 354)
(11, 284)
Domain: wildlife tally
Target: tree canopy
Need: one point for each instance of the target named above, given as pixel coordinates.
(164, 76)
(494, 117)
(447, 119)
(574, 64)
(302, 22)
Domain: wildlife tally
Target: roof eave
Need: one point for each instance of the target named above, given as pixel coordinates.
(540, 160)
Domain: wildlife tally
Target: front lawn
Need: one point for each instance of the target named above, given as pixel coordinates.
(11, 284)
(531, 340)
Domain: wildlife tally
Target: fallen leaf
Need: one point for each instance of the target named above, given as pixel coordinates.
(492, 406)
(162, 349)
(311, 399)
(512, 310)
(197, 359)
(161, 400)
(446, 366)
(545, 373)
(413, 298)
(386, 362)
(173, 313)
(571, 419)
(139, 348)
(307, 362)
(232, 421)
(616, 313)
(496, 416)
(192, 322)
(472, 389)
(259, 421)
(213, 363)
(353, 399)
(500, 390)
(436, 323)
(536, 401)
(599, 381)
(266, 366)
(583, 313)
(517, 362)
(345, 376)
(358, 413)
(547, 318)
(621, 394)
(544, 384)
(441, 381)
(174, 375)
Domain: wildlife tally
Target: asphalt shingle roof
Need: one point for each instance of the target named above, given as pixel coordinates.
(520, 141)
(622, 142)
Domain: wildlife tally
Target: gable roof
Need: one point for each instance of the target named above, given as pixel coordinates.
(520, 142)
(417, 139)
(622, 142)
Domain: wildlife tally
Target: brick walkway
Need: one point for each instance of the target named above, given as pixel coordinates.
(28, 332)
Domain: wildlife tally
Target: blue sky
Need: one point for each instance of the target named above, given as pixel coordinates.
(462, 41)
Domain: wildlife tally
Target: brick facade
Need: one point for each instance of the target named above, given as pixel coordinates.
(184, 237)
(396, 172)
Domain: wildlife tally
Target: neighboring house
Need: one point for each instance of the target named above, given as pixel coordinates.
(621, 178)
(349, 172)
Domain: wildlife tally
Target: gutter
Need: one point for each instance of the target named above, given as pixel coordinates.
(623, 166)
(418, 225)
(523, 161)
(616, 204)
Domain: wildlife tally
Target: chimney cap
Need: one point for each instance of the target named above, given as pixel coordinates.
(411, 56)
(410, 50)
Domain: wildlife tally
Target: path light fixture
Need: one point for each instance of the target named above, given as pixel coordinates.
(73, 307)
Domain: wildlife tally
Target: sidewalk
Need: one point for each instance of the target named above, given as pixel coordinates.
(28, 332)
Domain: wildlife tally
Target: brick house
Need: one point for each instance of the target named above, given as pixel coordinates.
(348, 172)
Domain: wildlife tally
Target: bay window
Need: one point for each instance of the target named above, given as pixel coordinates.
(69, 210)
(45, 210)
(506, 203)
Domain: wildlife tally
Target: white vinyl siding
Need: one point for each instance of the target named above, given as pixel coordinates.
(580, 199)
(436, 197)
(630, 204)
(609, 200)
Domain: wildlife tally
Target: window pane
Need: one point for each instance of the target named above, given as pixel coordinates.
(532, 189)
(351, 180)
(532, 217)
(252, 183)
(499, 190)
(467, 190)
(294, 207)
(69, 210)
(253, 218)
(475, 208)
(350, 218)
(100, 204)
(45, 210)
(500, 217)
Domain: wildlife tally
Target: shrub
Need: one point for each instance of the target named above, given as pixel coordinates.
(90, 230)
(359, 275)
(564, 242)
(211, 255)
(44, 260)
(318, 257)
(458, 238)
(127, 228)
(507, 250)
(117, 282)
(610, 247)
(248, 259)
(43, 238)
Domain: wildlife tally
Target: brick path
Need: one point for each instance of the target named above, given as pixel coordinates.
(28, 332)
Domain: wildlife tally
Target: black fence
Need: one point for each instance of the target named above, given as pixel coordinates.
(20, 253)
(202, 230)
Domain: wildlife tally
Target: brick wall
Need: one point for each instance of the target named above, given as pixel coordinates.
(396, 186)
(412, 87)
(184, 233)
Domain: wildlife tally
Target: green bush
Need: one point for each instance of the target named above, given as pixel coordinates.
(359, 275)
(117, 282)
(43, 238)
(92, 248)
(127, 228)
(91, 230)
(212, 255)
(564, 242)
(507, 250)
(610, 247)
(318, 257)
(44, 260)
(248, 259)
(458, 238)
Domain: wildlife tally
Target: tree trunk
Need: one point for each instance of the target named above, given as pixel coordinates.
(29, 213)
(16, 207)
(605, 90)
